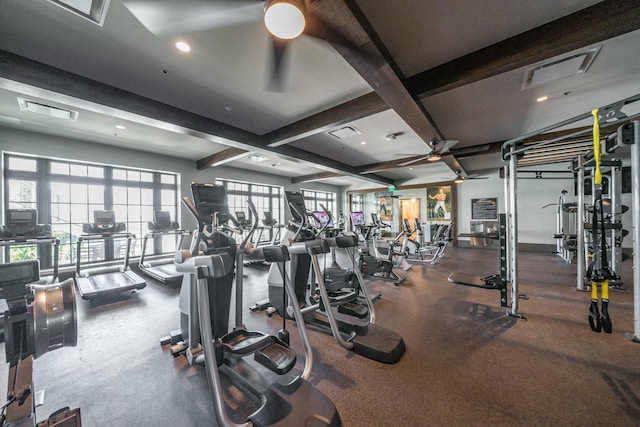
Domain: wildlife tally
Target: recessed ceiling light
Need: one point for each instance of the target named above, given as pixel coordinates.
(410, 169)
(542, 98)
(183, 47)
(120, 127)
(363, 142)
(228, 108)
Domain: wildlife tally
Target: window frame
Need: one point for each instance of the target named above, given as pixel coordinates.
(45, 179)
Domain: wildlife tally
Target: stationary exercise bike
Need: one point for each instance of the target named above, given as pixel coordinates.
(415, 251)
(369, 265)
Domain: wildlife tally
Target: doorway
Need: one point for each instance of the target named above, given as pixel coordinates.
(409, 209)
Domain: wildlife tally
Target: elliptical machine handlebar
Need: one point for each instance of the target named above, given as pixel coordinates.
(326, 224)
(303, 223)
(254, 224)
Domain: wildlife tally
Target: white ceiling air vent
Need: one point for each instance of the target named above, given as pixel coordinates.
(47, 110)
(557, 69)
(344, 132)
(93, 10)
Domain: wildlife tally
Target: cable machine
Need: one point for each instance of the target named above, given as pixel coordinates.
(513, 149)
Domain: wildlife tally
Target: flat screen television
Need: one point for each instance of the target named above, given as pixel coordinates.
(357, 218)
(322, 218)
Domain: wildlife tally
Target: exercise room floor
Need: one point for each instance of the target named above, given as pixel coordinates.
(465, 364)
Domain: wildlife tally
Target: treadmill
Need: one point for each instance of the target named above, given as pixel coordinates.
(22, 228)
(163, 269)
(108, 280)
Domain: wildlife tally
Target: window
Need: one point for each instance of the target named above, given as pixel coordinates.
(313, 199)
(67, 193)
(357, 202)
(266, 198)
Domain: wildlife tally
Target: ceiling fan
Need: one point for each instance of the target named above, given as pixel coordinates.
(285, 20)
(436, 149)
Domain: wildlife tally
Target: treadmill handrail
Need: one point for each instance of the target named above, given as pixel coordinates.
(152, 234)
(86, 237)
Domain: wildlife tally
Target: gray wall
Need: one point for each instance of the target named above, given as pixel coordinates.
(19, 141)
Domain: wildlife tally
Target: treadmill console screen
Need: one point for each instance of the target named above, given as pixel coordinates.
(22, 221)
(295, 198)
(209, 199)
(23, 216)
(357, 218)
(322, 218)
(104, 220)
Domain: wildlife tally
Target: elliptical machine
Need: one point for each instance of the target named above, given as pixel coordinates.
(285, 398)
(338, 313)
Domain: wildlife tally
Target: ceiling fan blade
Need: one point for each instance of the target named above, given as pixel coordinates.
(316, 26)
(277, 69)
(444, 146)
(165, 17)
(414, 160)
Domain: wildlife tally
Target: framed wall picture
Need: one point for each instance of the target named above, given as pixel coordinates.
(439, 203)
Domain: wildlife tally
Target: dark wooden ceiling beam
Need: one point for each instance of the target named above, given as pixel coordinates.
(327, 120)
(149, 112)
(594, 24)
(382, 166)
(372, 64)
(314, 177)
(222, 157)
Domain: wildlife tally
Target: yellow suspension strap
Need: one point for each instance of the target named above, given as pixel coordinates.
(600, 273)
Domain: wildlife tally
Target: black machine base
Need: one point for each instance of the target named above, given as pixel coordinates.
(379, 344)
(489, 282)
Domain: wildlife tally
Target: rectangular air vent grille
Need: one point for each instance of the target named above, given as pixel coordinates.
(559, 69)
(47, 110)
(344, 132)
(93, 10)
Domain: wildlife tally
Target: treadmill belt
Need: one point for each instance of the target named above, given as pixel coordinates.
(107, 283)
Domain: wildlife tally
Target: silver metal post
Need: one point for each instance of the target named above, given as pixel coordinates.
(615, 192)
(513, 233)
(580, 233)
(507, 197)
(635, 210)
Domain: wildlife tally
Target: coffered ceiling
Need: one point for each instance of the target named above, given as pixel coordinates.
(424, 70)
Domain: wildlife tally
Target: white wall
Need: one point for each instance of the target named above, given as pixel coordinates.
(535, 224)
(18, 141)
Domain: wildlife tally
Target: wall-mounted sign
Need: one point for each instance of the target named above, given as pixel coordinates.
(486, 208)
